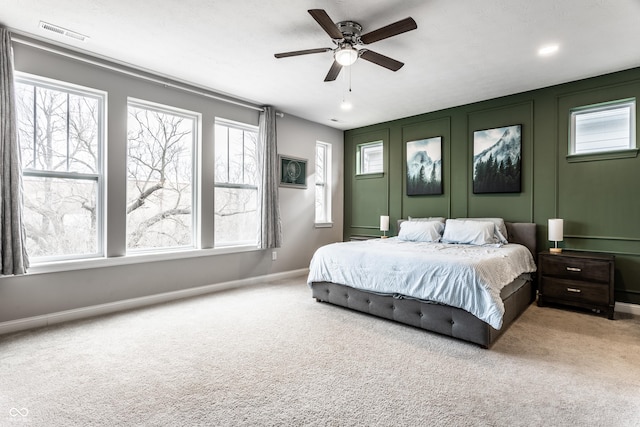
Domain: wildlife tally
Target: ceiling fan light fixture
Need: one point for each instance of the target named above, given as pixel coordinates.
(346, 55)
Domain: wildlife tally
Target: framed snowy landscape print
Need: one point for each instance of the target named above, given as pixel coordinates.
(424, 166)
(497, 160)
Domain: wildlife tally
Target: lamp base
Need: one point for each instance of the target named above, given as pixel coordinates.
(384, 237)
(555, 250)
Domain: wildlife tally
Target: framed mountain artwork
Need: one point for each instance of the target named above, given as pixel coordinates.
(497, 162)
(424, 166)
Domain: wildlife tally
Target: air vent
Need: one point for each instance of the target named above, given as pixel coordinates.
(62, 31)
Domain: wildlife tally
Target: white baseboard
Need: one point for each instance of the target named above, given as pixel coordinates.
(625, 307)
(112, 307)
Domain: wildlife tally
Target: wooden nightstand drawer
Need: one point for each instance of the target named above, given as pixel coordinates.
(580, 279)
(577, 269)
(571, 290)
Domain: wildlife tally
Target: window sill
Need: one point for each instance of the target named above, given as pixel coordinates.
(323, 225)
(609, 155)
(71, 265)
(370, 175)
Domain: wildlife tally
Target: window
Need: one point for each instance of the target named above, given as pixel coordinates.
(369, 158)
(323, 183)
(236, 214)
(61, 143)
(607, 127)
(161, 145)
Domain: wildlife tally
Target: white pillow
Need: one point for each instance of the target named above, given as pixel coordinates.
(500, 231)
(421, 231)
(468, 232)
(430, 218)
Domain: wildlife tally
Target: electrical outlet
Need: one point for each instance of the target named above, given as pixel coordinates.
(274, 256)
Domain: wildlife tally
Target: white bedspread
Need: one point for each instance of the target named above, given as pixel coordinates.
(463, 276)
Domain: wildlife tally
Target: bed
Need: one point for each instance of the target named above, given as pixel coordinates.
(457, 318)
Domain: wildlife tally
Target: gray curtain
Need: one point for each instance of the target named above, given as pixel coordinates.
(12, 235)
(270, 226)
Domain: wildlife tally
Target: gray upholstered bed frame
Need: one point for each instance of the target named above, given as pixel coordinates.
(443, 319)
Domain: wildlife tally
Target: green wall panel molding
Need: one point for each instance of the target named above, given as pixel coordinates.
(518, 205)
(598, 199)
(366, 196)
(427, 205)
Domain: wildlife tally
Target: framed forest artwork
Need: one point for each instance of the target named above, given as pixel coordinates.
(424, 166)
(497, 162)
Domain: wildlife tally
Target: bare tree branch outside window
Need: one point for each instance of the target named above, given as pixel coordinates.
(160, 179)
(60, 144)
(236, 189)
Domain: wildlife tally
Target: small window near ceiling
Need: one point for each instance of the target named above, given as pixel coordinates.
(603, 128)
(369, 158)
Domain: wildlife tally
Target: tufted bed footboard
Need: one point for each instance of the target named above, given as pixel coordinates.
(440, 318)
(443, 319)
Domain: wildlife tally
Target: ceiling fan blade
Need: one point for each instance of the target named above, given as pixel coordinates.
(333, 72)
(383, 61)
(326, 23)
(390, 30)
(302, 52)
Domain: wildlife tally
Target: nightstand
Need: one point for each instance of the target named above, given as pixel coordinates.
(579, 279)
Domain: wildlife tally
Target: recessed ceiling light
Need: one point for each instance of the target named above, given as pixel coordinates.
(346, 105)
(63, 31)
(549, 49)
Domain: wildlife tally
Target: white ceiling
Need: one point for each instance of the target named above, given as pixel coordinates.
(463, 50)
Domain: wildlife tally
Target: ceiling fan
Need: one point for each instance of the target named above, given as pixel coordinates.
(347, 37)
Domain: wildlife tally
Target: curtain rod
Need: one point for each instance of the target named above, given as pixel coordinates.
(125, 69)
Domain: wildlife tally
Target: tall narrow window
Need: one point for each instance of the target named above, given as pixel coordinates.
(61, 143)
(323, 183)
(161, 177)
(236, 184)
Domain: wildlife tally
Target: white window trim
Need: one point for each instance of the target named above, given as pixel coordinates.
(134, 258)
(195, 170)
(230, 247)
(359, 158)
(604, 154)
(102, 96)
(327, 186)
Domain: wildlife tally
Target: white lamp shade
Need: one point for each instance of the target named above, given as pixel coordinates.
(555, 230)
(384, 223)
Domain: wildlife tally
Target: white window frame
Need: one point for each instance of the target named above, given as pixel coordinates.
(244, 127)
(195, 171)
(98, 177)
(604, 152)
(324, 184)
(361, 165)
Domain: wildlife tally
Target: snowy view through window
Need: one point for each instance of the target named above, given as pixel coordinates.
(236, 184)
(160, 178)
(60, 141)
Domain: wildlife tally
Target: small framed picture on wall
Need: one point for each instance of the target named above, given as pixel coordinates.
(293, 172)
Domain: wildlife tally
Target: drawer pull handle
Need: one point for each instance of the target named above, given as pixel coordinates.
(574, 290)
(574, 269)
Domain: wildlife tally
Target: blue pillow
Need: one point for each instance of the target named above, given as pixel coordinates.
(468, 232)
(421, 231)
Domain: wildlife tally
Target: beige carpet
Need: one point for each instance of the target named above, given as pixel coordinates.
(271, 355)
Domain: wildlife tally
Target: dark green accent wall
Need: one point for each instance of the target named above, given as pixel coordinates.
(599, 200)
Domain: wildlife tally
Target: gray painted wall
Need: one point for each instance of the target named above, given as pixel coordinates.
(37, 294)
